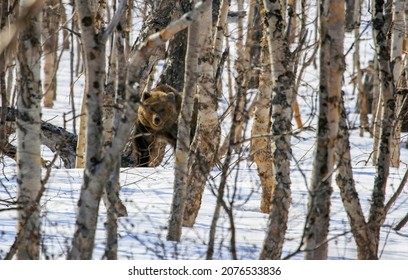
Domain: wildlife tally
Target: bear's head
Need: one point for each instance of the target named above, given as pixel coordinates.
(159, 109)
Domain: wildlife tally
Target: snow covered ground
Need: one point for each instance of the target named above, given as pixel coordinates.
(147, 193)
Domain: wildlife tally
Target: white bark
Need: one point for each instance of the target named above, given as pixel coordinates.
(283, 79)
(50, 47)
(207, 136)
(331, 74)
(91, 190)
(81, 144)
(381, 24)
(397, 37)
(184, 127)
(29, 138)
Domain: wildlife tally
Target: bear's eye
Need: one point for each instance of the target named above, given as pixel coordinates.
(156, 120)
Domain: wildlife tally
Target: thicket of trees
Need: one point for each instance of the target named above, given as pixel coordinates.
(266, 54)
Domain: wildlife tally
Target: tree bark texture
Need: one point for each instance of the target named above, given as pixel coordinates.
(281, 61)
(397, 36)
(207, 136)
(331, 73)
(349, 194)
(173, 72)
(28, 138)
(116, 81)
(91, 189)
(184, 127)
(377, 110)
(261, 143)
(381, 24)
(243, 68)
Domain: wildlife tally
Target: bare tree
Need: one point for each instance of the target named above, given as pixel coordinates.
(50, 46)
(173, 72)
(397, 35)
(207, 135)
(261, 143)
(362, 95)
(113, 99)
(184, 127)
(332, 66)
(94, 60)
(381, 24)
(28, 135)
(281, 62)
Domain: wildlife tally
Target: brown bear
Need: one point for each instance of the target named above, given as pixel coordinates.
(156, 124)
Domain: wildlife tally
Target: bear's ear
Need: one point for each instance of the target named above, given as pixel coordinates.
(171, 97)
(146, 95)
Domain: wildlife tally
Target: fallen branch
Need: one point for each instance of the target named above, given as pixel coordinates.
(58, 140)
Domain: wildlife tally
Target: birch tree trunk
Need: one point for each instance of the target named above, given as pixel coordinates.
(220, 32)
(102, 163)
(50, 47)
(331, 74)
(397, 36)
(91, 190)
(242, 67)
(173, 72)
(184, 127)
(350, 15)
(281, 62)
(349, 195)
(362, 95)
(28, 137)
(261, 143)
(80, 149)
(377, 111)
(116, 81)
(381, 24)
(207, 136)
(81, 144)
(96, 16)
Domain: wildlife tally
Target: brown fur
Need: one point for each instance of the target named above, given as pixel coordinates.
(158, 112)
(157, 122)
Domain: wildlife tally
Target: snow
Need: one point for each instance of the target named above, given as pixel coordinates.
(147, 194)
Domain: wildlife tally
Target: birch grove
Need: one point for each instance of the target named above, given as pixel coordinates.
(261, 127)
